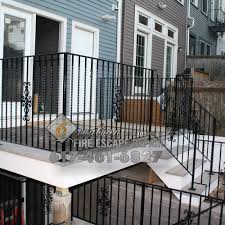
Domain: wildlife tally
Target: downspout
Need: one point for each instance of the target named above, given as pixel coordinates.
(122, 30)
(119, 29)
(188, 30)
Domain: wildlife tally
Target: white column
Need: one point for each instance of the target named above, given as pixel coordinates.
(62, 206)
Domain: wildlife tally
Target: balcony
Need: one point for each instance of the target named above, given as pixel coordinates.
(219, 25)
(59, 104)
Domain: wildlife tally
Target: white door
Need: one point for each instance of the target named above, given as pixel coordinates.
(15, 40)
(84, 72)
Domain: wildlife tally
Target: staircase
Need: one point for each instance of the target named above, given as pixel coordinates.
(186, 163)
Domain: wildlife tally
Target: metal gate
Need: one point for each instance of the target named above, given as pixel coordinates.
(24, 201)
(11, 199)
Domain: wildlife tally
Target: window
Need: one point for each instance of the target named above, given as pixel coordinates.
(202, 48)
(140, 59)
(205, 6)
(208, 50)
(192, 45)
(213, 10)
(195, 2)
(169, 61)
(205, 49)
(170, 33)
(181, 1)
(158, 27)
(143, 20)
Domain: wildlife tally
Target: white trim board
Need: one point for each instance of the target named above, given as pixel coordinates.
(39, 167)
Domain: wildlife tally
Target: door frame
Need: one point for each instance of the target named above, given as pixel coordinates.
(62, 36)
(172, 58)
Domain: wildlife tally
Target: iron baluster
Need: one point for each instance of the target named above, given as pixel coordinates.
(26, 101)
(103, 202)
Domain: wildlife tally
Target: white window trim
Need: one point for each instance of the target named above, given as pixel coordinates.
(151, 31)
(174, 60)
(201, 41)
(205, 13)
(96, 31)
(195, 3)
(181, 2)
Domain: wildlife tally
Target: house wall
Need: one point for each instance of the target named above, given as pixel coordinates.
(201, 28)
(175, 14)
(88, 12)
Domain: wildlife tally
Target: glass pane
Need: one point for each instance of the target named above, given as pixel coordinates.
(208, 49)
(171, 33)
(14, 36)
(140, 60)
(169, 62)
(143, 20)
(158, 27)
(205, 6)
(14, 45)
(202, 49)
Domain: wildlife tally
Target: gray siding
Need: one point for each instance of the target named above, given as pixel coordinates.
(175, 13)
(201, 28)
(158, 45)
(88, 12)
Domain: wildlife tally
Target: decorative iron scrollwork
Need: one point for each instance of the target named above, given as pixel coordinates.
(47, 193)
(117, 103)
(26, 101)
(188, 220)
(104, 202)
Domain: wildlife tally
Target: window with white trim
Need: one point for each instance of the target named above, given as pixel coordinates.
(143, 20)
(140, 59)
(170, 33)
(195, 2)
(181, 1)
(205, 6)
(205, 49)
(158, 27)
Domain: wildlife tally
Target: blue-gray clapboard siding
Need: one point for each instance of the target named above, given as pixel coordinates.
(201, 28)
(88, 12)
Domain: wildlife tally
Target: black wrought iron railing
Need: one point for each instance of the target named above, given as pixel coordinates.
(111, 200)
(95, 95)
(11, 199)
(99, 101)
(107, 200)
(180, 121)
(219, 16)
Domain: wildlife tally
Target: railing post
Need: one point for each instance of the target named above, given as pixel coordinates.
(213, 145)
(151, 103)
(65, 64)
(142, 204)
(195, 130)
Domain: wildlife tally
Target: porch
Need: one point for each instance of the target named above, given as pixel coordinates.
(104, 112)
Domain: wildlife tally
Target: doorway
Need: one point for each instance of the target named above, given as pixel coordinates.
(46, 66)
